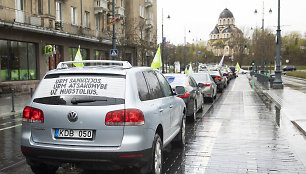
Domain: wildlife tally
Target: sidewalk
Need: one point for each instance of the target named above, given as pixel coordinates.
(292, 103)
(19, 103)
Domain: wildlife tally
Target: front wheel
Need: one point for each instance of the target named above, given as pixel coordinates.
(180, 139)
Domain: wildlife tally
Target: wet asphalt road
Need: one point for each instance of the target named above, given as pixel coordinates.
(237, 134)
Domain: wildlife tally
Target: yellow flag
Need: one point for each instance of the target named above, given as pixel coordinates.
(189, 71)
(157, 62)
(78, 57)
(237, 67)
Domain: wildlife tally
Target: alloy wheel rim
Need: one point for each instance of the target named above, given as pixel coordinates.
(194, 110)
(157, 158)
(183, 131)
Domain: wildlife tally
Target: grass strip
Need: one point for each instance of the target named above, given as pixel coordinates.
(299, 74)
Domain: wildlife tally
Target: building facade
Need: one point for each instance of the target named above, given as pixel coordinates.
(35, 35)
(220, 42)
(142, 28)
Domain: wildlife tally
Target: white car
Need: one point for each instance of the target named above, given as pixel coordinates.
(101, 117)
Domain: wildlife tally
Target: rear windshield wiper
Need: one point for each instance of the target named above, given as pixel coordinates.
(87, 100)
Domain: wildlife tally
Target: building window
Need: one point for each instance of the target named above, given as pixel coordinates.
(73, 16)
(18, 60)
(97, 22)
(86, 17)
(59, 16)
(99, 55)
(40, 7)
(141, 9)
(223, 21)
(49, 7)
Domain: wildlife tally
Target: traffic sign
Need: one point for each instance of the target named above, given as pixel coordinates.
(114, 53)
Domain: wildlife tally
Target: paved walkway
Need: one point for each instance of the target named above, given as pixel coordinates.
(19, 103)
(292, 103)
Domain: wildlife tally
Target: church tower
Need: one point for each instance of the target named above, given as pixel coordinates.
(222, 34)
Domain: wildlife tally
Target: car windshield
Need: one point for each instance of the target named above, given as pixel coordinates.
(81, 90)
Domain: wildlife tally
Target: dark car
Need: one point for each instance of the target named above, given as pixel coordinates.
(219, 79)
(289, 68)
(227, 73)
(193, 98)
(234, 71)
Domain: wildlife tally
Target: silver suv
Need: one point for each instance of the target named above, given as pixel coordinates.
(104, 115)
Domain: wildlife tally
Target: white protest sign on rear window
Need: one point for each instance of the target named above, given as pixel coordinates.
(82, 85)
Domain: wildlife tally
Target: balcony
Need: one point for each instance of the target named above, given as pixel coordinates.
(100, 6)
(149, 23)
(148, 3)
(120, 11)
(59, 25)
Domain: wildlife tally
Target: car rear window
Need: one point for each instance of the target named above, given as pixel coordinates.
(177, 80)
(216, 73)
(81, 90)
(200, 77)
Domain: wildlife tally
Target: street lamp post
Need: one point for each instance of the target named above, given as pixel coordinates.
(185, 47)
(114, 28)
(163, 41)
(278, 83)
(263, 38)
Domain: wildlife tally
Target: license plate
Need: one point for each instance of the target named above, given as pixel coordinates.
(73, 133)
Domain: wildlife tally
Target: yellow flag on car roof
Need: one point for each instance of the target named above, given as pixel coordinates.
(78, 57)
(157, 62)
(189, 71)
(238, 67)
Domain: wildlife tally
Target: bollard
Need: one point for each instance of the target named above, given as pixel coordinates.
(31, 92)
(13, 93)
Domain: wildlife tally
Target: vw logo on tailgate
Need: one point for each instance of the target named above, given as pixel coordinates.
(72, 116)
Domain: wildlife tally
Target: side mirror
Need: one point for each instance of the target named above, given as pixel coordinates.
(201, 85)
(180, 90)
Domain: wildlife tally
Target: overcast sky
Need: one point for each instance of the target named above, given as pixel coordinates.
(201, 16)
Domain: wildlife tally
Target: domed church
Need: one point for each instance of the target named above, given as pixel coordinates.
(222, 35)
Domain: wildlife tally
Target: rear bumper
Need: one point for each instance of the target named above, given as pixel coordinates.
(97, 160)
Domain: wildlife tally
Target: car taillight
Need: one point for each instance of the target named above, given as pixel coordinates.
(218, 77)
(184, 96)
(206, 84)
(32, 115)
(124, 117)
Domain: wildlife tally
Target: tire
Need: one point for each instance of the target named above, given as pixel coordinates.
(157, 162)
(194, 114)
(44, 169)
(180, 138)
(202, 105)
(212, 99)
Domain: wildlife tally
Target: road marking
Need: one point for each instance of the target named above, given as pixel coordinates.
(22, 161)
(10, 127)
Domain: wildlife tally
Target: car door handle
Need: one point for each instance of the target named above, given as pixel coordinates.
(161, 110)
(171, 106)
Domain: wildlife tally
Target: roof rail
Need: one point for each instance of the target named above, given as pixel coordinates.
(124, 64)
